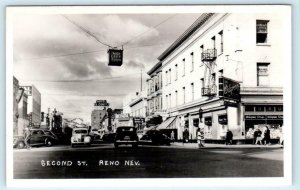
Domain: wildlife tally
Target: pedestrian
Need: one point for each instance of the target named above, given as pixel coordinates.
(255, 135)
(200, 137)
(259, 137)
(172, 136)
(228, 139)
(267, 135)
(27, 136)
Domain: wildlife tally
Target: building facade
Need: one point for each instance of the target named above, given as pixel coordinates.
(225, 72)
(34, 105)
(23, 117)
(154, 94)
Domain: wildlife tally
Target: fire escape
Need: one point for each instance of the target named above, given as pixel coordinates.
(208, 57)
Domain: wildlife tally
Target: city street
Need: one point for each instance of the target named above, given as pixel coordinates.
(104, 161)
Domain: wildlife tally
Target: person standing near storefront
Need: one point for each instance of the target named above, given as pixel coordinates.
(27, 138)
(228, 139)
(255, 135)
(267, 135)
(200, 137)
(259, 137)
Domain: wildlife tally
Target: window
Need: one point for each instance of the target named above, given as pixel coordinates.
(260, 108)
(249, 108)
(167, 102)
(213, 78)
(279, 108)
(261, 31)
(183, 67)
(192, 61)
(202, 83)
(213, 42)
(201, 51)
(176, 98)
(170, 76)
(263, 74)
(221, 42)
(192, 90)
(176, 72)
(183, 93)
(166, 78)
(170, 101)
(270, 108)
(221, 73)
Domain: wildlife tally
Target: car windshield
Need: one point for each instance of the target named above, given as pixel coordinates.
(80, 131)
(126, 129)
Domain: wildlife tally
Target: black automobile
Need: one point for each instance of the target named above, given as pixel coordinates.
(126, 135)
(155, 137)
(42, 137)
(109, 137)
(19, 142)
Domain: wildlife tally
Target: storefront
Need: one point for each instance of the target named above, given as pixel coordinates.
(261, 116)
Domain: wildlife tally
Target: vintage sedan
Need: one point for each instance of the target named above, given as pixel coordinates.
(80, 136)
(126, 135)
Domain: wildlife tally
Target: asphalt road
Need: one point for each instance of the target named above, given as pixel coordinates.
(104, 161)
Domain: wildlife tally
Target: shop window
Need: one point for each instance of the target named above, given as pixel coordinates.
(270, 108)
(222, 119)
(279, 108)
(249, 108)
(196, 122)
(261, 31)
(260, 108)
(208, 121)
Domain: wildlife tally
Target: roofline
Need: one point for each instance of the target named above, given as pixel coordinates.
(197, 24)
(154, 68)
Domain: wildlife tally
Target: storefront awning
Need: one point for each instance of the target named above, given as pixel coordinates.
(167, 123)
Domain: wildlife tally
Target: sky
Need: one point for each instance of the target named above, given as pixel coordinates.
(69, 66)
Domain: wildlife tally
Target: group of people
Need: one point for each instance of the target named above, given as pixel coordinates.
(261, 137)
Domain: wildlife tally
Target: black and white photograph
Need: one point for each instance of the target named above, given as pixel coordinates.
(199, 93)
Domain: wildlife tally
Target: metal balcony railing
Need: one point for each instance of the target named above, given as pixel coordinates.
(209, 55)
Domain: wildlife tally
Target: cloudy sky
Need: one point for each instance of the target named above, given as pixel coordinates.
(70, 68)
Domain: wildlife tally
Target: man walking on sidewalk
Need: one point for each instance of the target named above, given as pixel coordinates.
(27, 138)
(200, 137)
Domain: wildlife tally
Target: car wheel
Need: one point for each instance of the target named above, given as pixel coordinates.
(49, 143)
(21, 145)
(116, 145)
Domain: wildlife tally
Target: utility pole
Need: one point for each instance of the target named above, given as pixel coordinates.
(141, 80)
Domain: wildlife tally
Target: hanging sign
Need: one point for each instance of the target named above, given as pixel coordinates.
(115, 57)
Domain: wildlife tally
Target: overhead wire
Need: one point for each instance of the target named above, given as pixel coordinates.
(86, 31)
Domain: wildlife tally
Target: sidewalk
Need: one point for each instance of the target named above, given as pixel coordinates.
(214, 146)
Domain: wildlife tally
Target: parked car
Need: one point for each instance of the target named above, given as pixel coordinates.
(109, 137)
(95, 134)
(126, 135)
(80, 136)
(155, 137)
(40, 137)
(19, 142)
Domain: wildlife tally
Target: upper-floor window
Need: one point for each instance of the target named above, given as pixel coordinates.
(263, 74)
(183, 94)
(166, 78)
(192, 61)
(170, 100)
(221, 42)
(176, 98)
(192, 90)
(167, 101)
(261, 31)
(213, 42)
(183, 67)
(170, 76)
(176, 72)
(201, 51)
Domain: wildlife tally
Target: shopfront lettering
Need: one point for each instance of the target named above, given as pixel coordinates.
(263, 117)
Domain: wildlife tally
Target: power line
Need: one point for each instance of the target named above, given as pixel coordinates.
(155, 26)
(86, 31)
(88, 52)
(88, 80)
